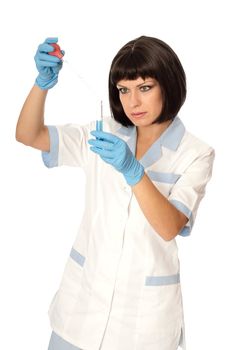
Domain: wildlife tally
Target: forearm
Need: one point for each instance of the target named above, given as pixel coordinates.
(160, 213)
(31, 118)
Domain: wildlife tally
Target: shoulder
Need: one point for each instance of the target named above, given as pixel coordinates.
(190, 141)
(191, 151)
(192, 144)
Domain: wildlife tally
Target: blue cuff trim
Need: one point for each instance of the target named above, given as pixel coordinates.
(76, 256)
(50, 159)
(185, 210)
(185, 232)
(162, 280)
(58, 343)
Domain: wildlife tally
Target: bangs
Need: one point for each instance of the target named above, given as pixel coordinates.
(131, 67)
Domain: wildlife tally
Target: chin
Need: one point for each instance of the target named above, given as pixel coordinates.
(142, 122)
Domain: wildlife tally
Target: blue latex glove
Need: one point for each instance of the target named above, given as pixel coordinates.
(48, 66)
(116, 152)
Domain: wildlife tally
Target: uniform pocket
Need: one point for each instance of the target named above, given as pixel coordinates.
(73, 272)
(161, 306)
(66, 298)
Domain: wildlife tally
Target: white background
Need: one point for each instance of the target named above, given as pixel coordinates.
(41, 209)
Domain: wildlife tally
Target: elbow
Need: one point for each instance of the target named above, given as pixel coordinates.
(169, 233)
(19, 137)
(22, 139)
(169, 236)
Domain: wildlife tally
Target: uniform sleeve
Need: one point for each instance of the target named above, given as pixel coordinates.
(68, 145)
(189, 190)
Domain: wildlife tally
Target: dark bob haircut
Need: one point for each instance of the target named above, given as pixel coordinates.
(148, 57)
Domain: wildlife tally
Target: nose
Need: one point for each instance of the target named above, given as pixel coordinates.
(134, 99)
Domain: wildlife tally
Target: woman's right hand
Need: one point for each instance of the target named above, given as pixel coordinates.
(47, 65)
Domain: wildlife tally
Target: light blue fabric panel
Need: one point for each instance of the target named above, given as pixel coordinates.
(76, 256)
(173, 135)
(169, 178)
(162, 280)
(57, 343)
(126, 131)
(50, 159)
(185, 231)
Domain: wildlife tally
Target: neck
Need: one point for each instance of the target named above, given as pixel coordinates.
(150, 132)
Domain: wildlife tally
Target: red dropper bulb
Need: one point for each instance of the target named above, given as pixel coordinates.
(57, 51)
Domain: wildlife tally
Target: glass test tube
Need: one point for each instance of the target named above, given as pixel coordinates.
(99, 123)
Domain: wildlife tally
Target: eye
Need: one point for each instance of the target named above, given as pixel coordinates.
(145, 88)
(123, 90)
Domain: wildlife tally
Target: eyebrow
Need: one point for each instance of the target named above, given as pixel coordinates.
(145, 82)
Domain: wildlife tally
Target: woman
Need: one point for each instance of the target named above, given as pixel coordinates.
(145, 178)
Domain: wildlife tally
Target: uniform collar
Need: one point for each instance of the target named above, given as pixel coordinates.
(170, 139)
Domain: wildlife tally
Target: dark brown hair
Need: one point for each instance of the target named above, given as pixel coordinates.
(148, 57)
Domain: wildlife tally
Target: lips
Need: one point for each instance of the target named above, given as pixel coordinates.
(138, 114)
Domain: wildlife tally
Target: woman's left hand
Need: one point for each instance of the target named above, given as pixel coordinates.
(116, 152)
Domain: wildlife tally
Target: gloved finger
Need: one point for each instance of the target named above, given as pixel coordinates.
(45, 48)
(107, 160)
(101, 144)
(102, 152)
(48, 58)
(63, 52)
(105, 136)
(44, 64)
(51, 40)
(43, 60)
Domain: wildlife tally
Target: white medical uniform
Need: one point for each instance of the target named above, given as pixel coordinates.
(121, 285)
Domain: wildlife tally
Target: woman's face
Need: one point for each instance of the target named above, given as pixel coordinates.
(141, 100)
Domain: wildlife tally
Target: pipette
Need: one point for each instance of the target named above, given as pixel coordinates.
(58, 53)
